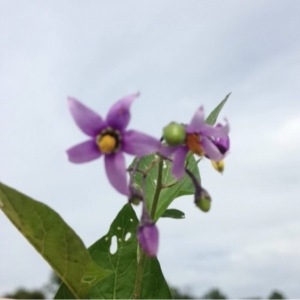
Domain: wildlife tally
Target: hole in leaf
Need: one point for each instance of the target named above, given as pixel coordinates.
(131, 220)
(127, 236)
(119, 228)
(113, 245)
(155, 181)
(164, 164)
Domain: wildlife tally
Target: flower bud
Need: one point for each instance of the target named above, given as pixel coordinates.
(136, 195)
(174, 134)
(203, 201)
(135, 199)
(148, 238)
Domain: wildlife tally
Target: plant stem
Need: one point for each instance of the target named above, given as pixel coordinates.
(157, 190)
(139, 275)
(142, 255)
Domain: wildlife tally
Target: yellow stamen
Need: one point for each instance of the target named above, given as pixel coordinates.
(218, 165)
(107, 143)
(193, 143)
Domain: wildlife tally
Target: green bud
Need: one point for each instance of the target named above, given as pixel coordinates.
(136, 195)
(135, 200)
(204, 201)
(174, 134)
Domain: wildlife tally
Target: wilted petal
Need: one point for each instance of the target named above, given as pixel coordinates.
(211, 150)
(140, 144)
(83, 152)
(116, 172)
(197, 121)
(119, 115)
(178, 162)
(86, 119)
(148, 238)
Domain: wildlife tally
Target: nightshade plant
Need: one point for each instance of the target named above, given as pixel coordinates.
(162, 170)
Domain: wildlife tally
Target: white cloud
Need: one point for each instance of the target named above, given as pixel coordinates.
(287, 136)
(179, 56)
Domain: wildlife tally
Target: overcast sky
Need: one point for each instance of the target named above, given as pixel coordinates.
(179, 55)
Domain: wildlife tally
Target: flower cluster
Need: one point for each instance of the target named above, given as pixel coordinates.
(199, 138)
(110, 138)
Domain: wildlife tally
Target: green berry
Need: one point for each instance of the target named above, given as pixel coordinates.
(174, 134)
(204, 201)
(204, 204)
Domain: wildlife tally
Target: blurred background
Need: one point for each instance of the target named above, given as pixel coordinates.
(179, 55)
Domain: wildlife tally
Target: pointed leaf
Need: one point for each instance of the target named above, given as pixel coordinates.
(59, 245)
(123, 264)
(173, 213)
(212, 118)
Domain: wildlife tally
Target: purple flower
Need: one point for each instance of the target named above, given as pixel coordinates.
(109, 138)
(222, 143)
(148, 238)
(202, 139)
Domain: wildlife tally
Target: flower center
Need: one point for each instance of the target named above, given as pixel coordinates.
(108, 141)
(193, 143)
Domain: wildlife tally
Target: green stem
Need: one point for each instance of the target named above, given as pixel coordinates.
(142, 255)
(157, 190)
(139, 275)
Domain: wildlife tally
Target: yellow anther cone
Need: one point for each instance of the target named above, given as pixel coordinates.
(107, 143)
(218, 165)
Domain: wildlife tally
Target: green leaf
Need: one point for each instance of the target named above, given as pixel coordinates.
(173, 213)
(172, 189)
(59, 245)
(212, 118)
(123, 264)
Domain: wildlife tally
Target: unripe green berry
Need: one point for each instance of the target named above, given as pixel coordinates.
(174, 134)
(204, 204)
(204, 201)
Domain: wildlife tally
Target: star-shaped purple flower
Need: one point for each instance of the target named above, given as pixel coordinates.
(110, 138)
(202, 139)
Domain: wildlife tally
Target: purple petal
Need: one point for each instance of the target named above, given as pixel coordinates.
(148, 238)
(178, 162)
(119, 115)
(140, 144)
(116, 172)
(86, 119)
(167, 151)
(223, 144)
(83, 152)
(197, 121)
(218, 131)
(211, 150)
